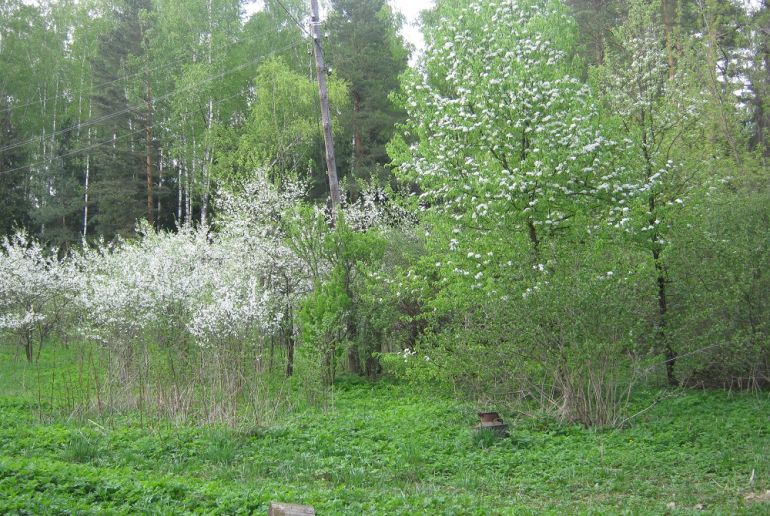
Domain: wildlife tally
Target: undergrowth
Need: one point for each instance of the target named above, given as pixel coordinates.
(383, 448)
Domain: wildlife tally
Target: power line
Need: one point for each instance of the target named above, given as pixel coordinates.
(94, 121)
(293, 18)
(110, 141)
(95, 87)
(143, 128)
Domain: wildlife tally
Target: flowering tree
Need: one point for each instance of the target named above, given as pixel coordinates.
(127, 288)
(519, 182)
(257, 278)
(503, 140)
(658, 112)
(33, 286)
(195, 306)
(192, 283)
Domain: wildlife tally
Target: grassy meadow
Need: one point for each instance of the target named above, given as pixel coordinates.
(376, 448)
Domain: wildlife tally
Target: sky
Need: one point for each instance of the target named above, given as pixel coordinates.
(411, 11)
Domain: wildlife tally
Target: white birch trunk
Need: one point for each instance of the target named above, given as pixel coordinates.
(85, 190)
(190, 180)
(179, 191)
(87, 177)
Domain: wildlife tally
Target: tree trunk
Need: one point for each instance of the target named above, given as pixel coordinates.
(666, 8)
(660, 330)
(533, 239)
(160, 182)
(719, 89)
(87, 177)
(290, 344)
(358, 142)
(208, 151)
(85, 189)
(661, 339)
(179, 192)
(289, 333)
(354, 361)
(373, 367)
(760, 87)
(28, 348)
(189, 187)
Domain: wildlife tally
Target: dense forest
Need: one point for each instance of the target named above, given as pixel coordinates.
(555, 209)
(551, 187)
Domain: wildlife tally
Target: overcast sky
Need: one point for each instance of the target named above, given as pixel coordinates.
(411, 10)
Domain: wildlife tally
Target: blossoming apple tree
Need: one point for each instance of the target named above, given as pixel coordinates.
(503, 139)
(33, 288)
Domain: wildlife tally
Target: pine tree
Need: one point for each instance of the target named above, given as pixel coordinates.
(14, 197)
(118, 180)
(595, 18)
(365, 50)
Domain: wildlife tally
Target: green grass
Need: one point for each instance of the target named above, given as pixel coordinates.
(382, 449)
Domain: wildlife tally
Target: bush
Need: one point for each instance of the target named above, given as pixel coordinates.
(34, 287)
(722, 305)
(565, 336)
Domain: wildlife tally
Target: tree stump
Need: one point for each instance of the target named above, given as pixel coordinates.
(491, 421)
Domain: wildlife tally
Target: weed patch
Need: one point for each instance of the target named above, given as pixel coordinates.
(385, 449)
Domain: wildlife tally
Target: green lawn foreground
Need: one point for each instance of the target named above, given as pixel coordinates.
(384, 449)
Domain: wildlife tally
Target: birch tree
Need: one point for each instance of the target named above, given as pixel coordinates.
(658, 112)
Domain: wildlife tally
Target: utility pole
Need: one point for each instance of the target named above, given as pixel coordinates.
(331, 163)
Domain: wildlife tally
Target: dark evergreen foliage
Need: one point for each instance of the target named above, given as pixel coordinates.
(15, 203)
(117, 190)
(365, 50)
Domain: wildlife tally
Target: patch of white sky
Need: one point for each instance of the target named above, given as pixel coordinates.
(410, 9)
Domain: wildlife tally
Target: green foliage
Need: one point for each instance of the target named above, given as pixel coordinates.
(321, 319)
(574, 240)
(387, 449)
(283, 130)
(221, 448)
(596, 20)
(502, 136)
(328, 316)
(14, 206)
(38, 67)
(545, 203)
(683, 138)
(722, 307)
(523, 190)
(485, 438)
(365, 50)
(81, 448)
(759, 73)
(535, 337)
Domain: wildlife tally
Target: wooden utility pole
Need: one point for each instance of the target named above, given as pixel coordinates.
(331, 163)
